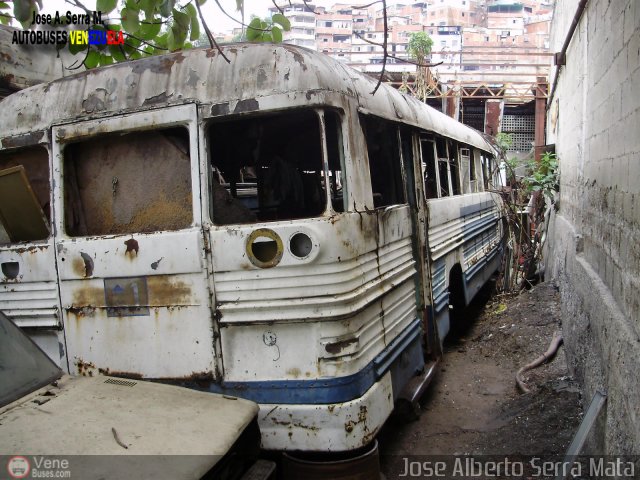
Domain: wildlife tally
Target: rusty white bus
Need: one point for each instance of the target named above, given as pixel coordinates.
(267, 229)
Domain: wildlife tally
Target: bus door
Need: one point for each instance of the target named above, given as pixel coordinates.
(129, 248)
(28, 281)
(435, 257)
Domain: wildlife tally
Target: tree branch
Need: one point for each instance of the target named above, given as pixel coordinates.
(278, 7)
(77, 3)
(212, 40)
(415, 63)
(384, 47)
(306, 4)
(367, 5)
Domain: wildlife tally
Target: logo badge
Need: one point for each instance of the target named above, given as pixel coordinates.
(18, 467)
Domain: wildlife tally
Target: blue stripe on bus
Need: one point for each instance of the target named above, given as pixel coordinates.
(475, 269)
(326, 390)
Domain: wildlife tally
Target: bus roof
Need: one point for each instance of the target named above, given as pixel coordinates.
(255, 73)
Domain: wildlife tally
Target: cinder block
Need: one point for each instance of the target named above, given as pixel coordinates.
(634, 176)
(629, 20)
(633, 50)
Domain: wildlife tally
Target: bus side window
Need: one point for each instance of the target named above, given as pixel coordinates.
(427, 149)
(267, 168)
(454, 168)
(465, 169)
(443, 167)
(384, 161)
(485, 171)
(35, 162)
(131, 182)
(335, 154)
(473, 174)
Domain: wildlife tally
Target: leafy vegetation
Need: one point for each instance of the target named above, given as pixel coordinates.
(267, 30)
(148, 27)
(419, 46)
(544, 175)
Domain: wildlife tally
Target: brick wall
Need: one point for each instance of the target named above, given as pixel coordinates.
(594, 120)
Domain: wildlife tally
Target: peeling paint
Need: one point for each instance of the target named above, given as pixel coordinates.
(25, 140)
(132, 247)
(248, 105)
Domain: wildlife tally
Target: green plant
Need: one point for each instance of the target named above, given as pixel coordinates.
(419, 46)
(146, 27)
(544, 175)
(504, 141)
(268, 29)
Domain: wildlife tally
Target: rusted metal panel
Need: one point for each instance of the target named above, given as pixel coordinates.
(28, 282)
(134, 303)
(332, 427)
(493, 116)
(465, 231)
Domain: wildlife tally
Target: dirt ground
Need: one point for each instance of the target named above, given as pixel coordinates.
(473, 406)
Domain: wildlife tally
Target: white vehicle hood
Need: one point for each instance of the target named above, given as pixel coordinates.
(103, 415)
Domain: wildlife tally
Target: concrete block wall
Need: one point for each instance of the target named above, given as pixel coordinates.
(594, 121)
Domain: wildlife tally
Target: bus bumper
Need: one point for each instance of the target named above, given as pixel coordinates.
(331, 427)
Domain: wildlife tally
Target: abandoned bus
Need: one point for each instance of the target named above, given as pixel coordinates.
(266, 228)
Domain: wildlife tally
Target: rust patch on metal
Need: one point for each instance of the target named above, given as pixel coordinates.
(129, 375)
(85, 368)
(78, 267)
(338, 347)
(81, 312)
(132, 247)
(25, 140)
(362, 418)
(161, 98)
(164, 292)
(199, 379)
(32, 249)
(248, 105)
(284, 423)
(88, 296)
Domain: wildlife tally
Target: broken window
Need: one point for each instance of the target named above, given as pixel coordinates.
(443, 166)
(465, 169)
(335, 155)
(25, 210)
(384, 161)
(131, 182)
(454, 168)
(473, 174)
(429, 169)
(270, 167)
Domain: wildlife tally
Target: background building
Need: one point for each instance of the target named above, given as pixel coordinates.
(303, 23)
(491, 56)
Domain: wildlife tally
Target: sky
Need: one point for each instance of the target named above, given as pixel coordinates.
(215, 19)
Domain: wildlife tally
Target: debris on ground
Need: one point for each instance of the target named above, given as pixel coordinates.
(473, 406)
